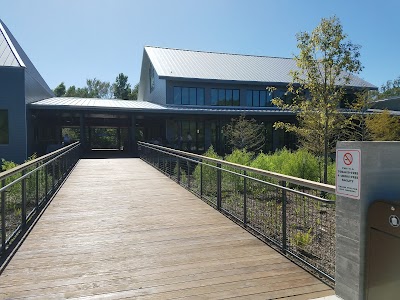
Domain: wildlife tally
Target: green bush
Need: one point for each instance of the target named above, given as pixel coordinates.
(209, 173)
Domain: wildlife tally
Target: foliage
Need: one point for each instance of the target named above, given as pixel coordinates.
(303, 239)
(60, 90)
(134, 92)
(121, 87)
(383, 127)
(325, 64)
(356, 128)
(390, 89)
(245, 134)
(209, 173)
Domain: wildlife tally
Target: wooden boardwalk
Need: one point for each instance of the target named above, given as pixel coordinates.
(119, 229)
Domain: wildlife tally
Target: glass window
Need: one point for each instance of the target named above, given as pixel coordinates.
(236, 98)
(256, 98)
(151, 75)
(192, 96)
(200, 96)
(185, 95)
(214, 96)
(249, 98)
(228, 96)
(269, 98)
(221, 97)
(3, 127)
(177, 95)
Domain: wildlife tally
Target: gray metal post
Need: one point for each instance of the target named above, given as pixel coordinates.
(374, 172)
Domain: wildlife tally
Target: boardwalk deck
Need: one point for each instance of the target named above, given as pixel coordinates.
(119, 229)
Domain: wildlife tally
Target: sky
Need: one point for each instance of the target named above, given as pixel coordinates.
(73, 40)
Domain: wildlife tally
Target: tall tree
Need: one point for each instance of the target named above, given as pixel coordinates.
(133, 95)
(325, 64)
(98, 89)
(121, 87)
(246, 134)
(60, 90)
(383, 127)
(390, 89)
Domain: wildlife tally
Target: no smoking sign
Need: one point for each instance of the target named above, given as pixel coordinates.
(348, 173)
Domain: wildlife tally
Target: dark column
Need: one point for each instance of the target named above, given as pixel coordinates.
(132, 136)
(119, 138)
(82, 138)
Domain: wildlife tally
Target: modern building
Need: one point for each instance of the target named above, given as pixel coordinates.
(182, 93)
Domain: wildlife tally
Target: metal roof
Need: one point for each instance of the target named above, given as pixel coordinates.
(8, 55)
(94, 104)
(14, 55)
(187, 64)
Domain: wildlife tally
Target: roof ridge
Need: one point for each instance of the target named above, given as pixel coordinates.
(11, 45)
(215, 52)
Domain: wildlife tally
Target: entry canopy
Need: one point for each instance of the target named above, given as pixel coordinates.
(113, 105)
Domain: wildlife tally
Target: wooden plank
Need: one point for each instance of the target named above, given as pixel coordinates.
(120, 229)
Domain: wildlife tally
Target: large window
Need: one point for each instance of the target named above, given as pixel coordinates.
(188, 95)
(258, 98)
(3, 127)
(225, 97)
(151, 78)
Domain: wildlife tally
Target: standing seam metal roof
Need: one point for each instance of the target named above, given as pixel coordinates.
(177, 63)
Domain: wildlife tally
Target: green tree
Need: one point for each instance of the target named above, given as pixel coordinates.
(133, 95)
(245, 134)
(121, 87)
(60, 90)
(383, 127)
(98, 89)
(390, 89)
(325, 64)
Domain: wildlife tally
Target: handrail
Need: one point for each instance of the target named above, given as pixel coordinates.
(34, 161)
(291, 179)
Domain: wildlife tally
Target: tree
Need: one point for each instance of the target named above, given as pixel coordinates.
(121, 87)
(98, 89)
(383, 127)
(245, 134)
(390, 89)
(60, 90)
(134, 92)
(325, 64)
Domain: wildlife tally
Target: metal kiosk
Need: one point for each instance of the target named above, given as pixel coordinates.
(383, 252)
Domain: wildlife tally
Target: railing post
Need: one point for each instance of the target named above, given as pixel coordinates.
(201, 178)
(53, 172)
(23, 200)
(284, 225)
(179, 170)
(3, 217)
(219, 186)
(37, 187)
(46, 183)
(244, 198)
(188, 173)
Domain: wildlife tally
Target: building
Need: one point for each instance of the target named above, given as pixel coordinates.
(185, 99)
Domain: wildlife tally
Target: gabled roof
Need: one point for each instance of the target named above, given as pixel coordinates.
(12, 55)
(186, 64)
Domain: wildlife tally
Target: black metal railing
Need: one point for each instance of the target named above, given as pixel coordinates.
(294, 215)
(26, 189)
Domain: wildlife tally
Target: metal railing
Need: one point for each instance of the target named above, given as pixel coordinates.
(27, 188)
(294, 215)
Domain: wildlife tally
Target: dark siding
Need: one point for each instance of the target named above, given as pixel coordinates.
(12, 98)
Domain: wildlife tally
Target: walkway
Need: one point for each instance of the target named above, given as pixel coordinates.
(119, 229)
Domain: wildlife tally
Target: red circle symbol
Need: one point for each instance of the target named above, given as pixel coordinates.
(348, 159)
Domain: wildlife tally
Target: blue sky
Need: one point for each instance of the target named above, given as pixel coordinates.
(72, 40)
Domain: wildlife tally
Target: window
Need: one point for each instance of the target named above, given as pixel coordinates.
(3, 127)
(258, 98)
(225, 97)
(188, 96)
(151, 76)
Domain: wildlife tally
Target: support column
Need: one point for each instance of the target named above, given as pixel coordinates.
(82, 137)
(362, 179)
(132, 136)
